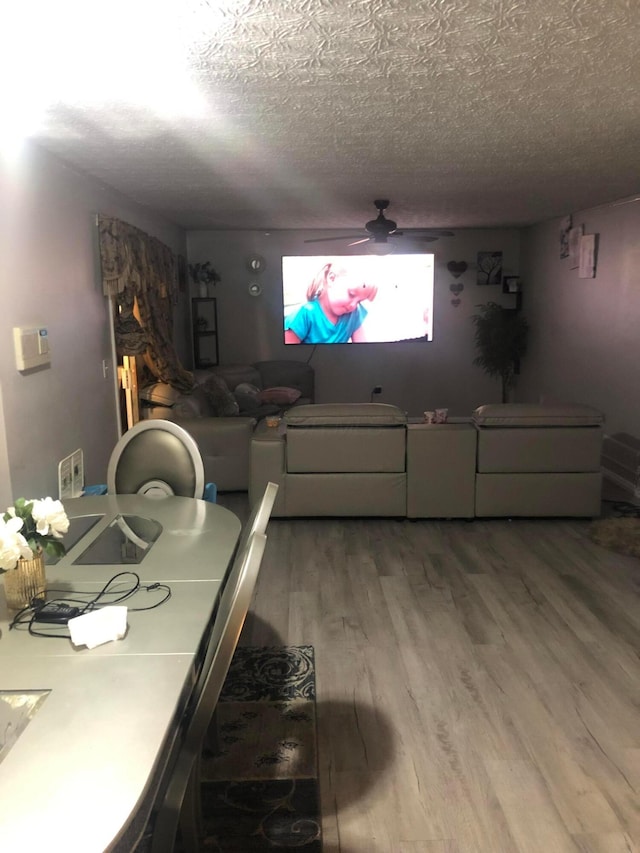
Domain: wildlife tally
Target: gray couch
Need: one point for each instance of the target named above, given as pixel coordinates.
(221, 416)
(365, 460)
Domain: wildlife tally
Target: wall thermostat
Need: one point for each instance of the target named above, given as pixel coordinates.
(31, 344)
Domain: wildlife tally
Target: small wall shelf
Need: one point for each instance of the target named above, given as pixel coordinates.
(204, 315)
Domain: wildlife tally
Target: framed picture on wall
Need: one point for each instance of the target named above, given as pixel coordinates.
(587, 267)
(575, 235)
(565, 228)
(489, 268)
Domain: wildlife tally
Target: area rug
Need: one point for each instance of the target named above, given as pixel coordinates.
(617, 534)
(260, 770)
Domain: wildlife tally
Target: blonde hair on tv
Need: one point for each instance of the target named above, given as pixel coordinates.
(319, 283)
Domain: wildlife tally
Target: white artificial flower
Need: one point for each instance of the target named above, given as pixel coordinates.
(13, 545)
(50, 518)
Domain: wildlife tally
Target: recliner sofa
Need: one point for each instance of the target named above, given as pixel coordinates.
(351, 460)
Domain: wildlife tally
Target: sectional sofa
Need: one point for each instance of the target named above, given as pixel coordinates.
(369, 460)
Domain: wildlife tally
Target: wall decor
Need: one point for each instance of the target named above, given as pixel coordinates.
(455, 302)
(587, 260)
(456, 268)
(565, 227)
(575, 235)
(254, 289)
(489, 267)
(256, 263)
(456, 288)
(511, 284)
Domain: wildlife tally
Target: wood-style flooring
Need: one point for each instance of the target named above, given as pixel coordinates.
(478, 683)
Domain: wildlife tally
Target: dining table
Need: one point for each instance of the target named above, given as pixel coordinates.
(84, 731)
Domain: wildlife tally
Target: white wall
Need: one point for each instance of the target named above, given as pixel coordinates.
(49, 276)
(416, 376)
(585, 333)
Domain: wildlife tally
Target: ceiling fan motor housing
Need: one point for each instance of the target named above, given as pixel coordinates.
(381, 227)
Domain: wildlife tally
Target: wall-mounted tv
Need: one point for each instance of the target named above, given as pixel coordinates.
(339, 299)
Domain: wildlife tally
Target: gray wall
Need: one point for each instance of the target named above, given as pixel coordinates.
(48, 276)
(585, 340)
(415, 376)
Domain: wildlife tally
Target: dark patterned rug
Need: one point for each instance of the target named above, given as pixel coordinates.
(260, 771)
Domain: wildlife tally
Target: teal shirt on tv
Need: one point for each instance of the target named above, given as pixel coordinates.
(312, 326)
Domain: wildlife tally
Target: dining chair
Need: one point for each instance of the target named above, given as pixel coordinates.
(179, 803)
(260, 515)
(158, 458)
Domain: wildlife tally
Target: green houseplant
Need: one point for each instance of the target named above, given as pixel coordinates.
(501, 340)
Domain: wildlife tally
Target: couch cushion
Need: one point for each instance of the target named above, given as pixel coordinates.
(536, 414)
(232, 374)
(194, 405)
(345, 414)
(293, 374)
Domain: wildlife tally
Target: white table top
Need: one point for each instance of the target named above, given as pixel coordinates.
(78, 772)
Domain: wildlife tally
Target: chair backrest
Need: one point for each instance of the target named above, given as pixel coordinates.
(230, 617)
(156, 458)
(260, 515)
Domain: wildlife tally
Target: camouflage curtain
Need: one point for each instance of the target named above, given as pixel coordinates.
(138, 269)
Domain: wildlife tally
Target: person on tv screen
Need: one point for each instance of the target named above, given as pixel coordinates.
(333, 313)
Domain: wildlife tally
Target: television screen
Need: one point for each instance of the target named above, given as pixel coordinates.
(357, 298)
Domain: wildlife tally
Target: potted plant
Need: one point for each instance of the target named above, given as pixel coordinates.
(204, 276)
(501, 340)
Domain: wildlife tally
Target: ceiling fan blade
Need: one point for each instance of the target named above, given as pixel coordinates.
(363, 240)
(339, 237)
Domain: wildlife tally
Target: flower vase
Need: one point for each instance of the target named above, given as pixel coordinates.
(26, 582)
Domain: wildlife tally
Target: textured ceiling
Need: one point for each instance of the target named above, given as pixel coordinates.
(298, 113)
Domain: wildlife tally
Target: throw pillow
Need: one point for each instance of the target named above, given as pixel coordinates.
(159, 393)
(280, 395)
(221, 399)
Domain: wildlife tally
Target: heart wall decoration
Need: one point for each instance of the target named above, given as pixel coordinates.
(455, 302)
(456, 268)
(456, 288)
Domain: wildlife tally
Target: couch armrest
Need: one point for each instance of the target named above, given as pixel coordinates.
(218, 432)
(224, 445)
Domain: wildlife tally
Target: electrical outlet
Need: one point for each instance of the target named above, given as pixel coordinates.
(71, 475)
(377, 389)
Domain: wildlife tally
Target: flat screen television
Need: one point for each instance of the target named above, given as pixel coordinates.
(337, 299)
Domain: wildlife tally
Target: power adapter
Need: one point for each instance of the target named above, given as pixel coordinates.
(56, 612)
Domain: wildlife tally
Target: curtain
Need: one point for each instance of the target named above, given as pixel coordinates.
(141, 273)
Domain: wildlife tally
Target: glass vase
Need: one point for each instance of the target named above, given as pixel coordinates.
(26, 582)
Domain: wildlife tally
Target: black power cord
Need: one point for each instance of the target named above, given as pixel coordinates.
(56, 612)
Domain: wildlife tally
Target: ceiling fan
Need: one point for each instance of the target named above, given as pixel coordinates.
(380, 228)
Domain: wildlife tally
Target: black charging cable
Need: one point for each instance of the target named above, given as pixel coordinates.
(56, 612)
